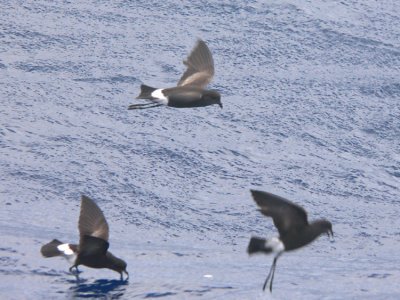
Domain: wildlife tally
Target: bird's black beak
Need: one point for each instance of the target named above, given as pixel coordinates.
(330, 235)
(122, 276)
(127, 274)
(220, 105)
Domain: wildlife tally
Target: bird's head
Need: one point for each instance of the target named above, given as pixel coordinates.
(213, 97)
(325, 227)
(117, 264)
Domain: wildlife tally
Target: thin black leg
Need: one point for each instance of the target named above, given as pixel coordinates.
(143, 106)
(269, 275)
(76, 271)
(122, 275)
(272, 277)
(273, 271)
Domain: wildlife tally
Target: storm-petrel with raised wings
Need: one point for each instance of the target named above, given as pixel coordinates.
(190, 91)
(291, 221)
(92, 250)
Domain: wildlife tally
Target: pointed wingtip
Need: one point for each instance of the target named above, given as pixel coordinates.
(254, 192)
(201, 41)
(92, 221)
(85, 198)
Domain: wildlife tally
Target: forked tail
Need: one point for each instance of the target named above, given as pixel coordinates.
(57, 248)
(258, 245)
(145, 92)
(50, 249)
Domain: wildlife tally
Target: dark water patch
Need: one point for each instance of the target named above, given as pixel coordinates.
(205, 289)
(51, 273)
(8, 261)
(30, 39)
(356, 146)
(50, 66)
(12, 272)
(394, 171)
(179, 254)
(111, 79)
(169, 69)
(379, 276)
(101, 288)
(384, 125)
(299, 182)
(312, 138)
(357, 41)
(9, 250)
(64, 139)
(381, 91)
(159, 295)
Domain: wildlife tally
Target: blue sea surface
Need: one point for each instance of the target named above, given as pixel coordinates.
(311, 95)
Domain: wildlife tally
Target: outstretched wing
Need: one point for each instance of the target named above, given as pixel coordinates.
(286, 214)
(200, 67)
(91, 220)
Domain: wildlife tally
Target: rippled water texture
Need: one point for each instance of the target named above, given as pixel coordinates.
(311, 98)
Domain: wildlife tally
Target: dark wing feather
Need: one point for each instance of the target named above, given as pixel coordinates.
(286, 214)
(200, 67)
(91, 220)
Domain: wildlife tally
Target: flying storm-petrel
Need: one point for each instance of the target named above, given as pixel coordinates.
(291, 221)
(190, 91)
(93, 243)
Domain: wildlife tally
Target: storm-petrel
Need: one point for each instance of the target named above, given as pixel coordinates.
(291, 221)
(190, 90)
(93, 243)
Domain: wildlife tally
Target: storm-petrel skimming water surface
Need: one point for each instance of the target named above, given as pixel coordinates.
(92, 250)
(291, 221)
(190, 91)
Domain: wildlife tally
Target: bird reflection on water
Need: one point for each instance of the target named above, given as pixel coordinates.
(101, 288)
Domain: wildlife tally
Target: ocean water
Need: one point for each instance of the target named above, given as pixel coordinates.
(311, 98)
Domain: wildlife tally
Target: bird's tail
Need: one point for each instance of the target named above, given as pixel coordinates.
(258, 245)
(50, 249)
(145, 92)
(57, 248)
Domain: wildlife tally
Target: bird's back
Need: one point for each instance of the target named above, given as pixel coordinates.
(300, 237)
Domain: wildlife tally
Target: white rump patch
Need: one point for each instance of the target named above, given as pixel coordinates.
(160, 97)
(64, 248)
(275, 244)
(67, 252)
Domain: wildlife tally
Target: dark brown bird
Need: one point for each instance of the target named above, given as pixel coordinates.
(190, 91)
(92, 250)
(291, 221)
